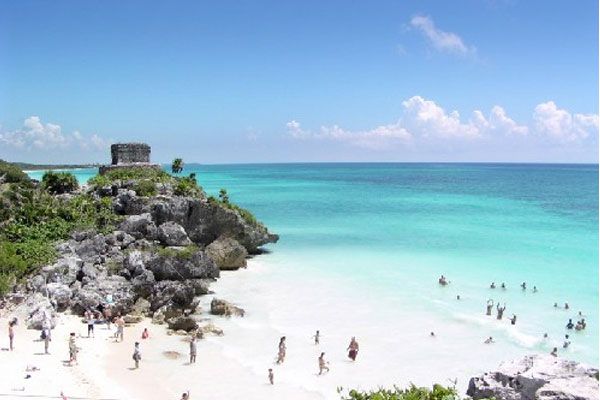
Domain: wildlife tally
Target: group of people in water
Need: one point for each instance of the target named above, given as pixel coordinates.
(500, 309)
(352, 349)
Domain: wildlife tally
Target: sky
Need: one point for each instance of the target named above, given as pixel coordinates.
(300, 81)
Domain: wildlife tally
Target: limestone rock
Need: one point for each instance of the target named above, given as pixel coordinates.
(179, 265)
(225, 308)
(537, 377)
(228, 253)
(172, 234)
(139, 226)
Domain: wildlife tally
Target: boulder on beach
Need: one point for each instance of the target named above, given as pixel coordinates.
(537, 377)
(225, 308)
(228, 253)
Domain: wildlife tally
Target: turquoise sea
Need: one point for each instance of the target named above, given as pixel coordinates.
(367, 242)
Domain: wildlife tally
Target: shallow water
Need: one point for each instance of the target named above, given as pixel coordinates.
(362, 246)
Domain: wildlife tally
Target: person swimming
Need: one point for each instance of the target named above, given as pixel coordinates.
(535, 289)
(524, 286)
(555, 305)
(570, 324)
(493, 285)
(567, 342)
(566, 306)
(489, 340)
(500, 311)
(545, 336)
(513, 320)
(443, 281)
(458, 297)
(554, 352)
(503, 286)
(185, 396)
(490, 305)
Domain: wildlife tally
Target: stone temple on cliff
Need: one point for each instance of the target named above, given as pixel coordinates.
(129, 155)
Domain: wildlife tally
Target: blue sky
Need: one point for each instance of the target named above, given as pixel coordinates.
(283, 81)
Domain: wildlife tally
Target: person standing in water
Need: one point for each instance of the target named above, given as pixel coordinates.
(281, 351)
(137, 355)
(500, 311)
(524, 286)
(193, 350)
(271, 376)
(352, 349)
(323, 364)
(513, 320)
(317, 337)
(554, 352)
(567, 342)
(493, 285)
(490, 305)
(503, 286)
(570, 324)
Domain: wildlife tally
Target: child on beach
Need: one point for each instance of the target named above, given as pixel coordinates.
(271, 376)
(137, 355)
(145, 334)
(73, 349)
(323, 364)
(317, 337)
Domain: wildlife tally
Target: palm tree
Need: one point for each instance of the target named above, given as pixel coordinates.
(177, 166)
(224, 196)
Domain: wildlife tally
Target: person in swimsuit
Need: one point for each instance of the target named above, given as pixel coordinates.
(11, 333)
(490, 305)
(489, 340)
(185, 396)
(73, 349)
(107, 316)
(524, 286)
(145, 334)
(513, 320)
(500, 311)
(193, 350)
(120, 322)
(323, 364)
(317, 336)
(271, 376)
(566, 306)
(503, 286)
(352, 349)
(567, 342)
(47, 339)
(281, 351)
(535, 289)
(554, 352)
(493, 285)
(89, 318)
(570, 324)
(137, 355)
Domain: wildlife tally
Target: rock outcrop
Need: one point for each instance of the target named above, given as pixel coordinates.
(225, 308)
(227, 253)
(537, 377)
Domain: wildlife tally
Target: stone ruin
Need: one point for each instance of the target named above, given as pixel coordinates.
(129, 155)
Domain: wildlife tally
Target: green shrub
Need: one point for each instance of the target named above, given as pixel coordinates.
(132, 173)
(59, 182)
(184, 253)
(187, 187)
(145, 188)
(438, 392)
(10, 173)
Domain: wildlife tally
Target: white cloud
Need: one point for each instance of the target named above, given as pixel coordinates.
(498, 122)
(428, 119)
(442, 41)
(35, 135)
(294, 129)
(559, 124)
(380, 137)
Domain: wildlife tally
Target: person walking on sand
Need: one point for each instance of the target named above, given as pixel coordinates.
(193, 350)
(271, 376)
(73, 349)
(11, 333)
(89, 318)
(352, 349)
(120, 322)
(500, 311)
(317, 337)
(47, 339)
(323, 365)
(489, 306)
(137, 355)
(282, 350)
